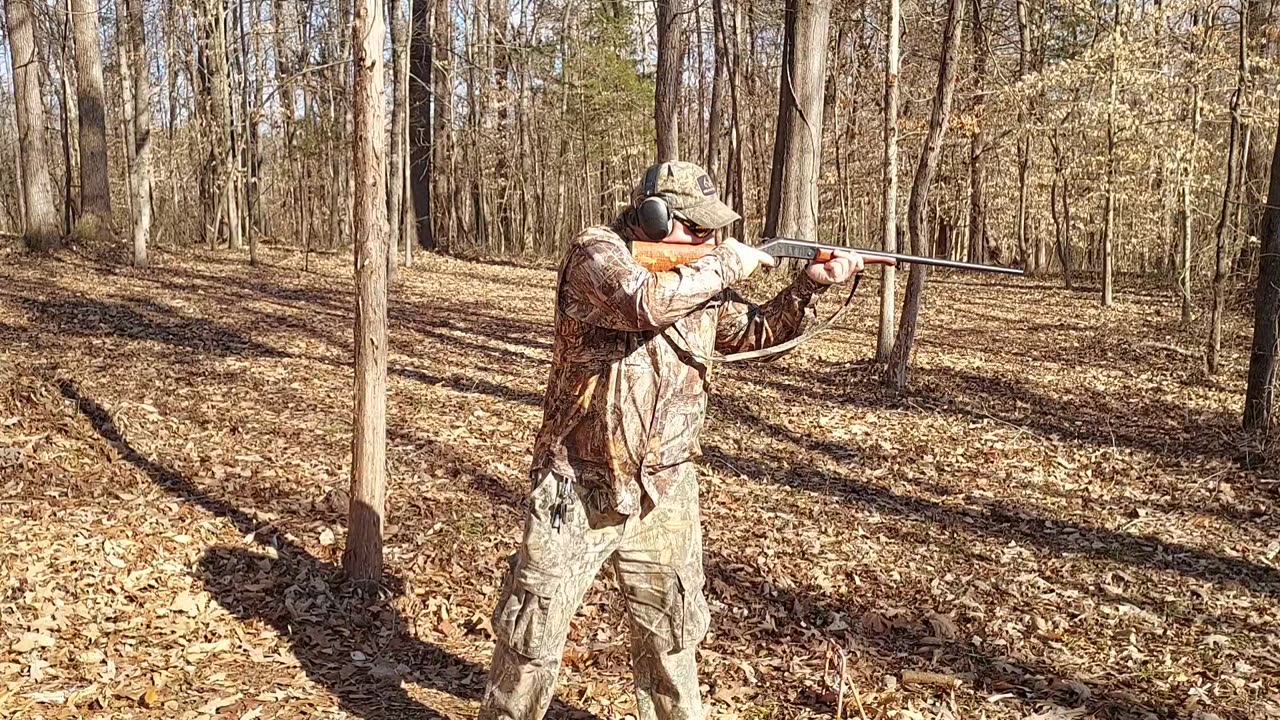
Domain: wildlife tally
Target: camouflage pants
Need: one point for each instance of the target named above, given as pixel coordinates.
(657, 558)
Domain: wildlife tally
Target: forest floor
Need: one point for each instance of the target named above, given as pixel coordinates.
(1056, 516)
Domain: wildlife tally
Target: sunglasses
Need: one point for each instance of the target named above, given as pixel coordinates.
(696, 230)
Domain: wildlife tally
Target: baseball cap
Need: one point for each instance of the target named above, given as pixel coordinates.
(689, 192)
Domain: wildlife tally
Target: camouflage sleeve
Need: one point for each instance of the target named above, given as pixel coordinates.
(744, 326)
(603, 285)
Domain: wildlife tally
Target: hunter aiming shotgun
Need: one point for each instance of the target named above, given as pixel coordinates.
(660, 256)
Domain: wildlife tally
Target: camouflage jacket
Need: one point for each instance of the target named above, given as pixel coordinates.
(627, 392)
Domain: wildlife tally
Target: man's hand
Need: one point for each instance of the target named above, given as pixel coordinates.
(750, 257)
(841, 268)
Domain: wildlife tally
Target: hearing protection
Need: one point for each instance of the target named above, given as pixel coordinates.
(653, 212)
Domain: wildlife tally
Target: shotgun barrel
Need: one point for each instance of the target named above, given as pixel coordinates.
(803, 250)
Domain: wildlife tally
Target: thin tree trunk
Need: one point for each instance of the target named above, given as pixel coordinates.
(670, 70)
(362, 560)
(399, 117)
(95, 180)
(1109, 229)
(140, 179)
(715, 116)
(442, 159)
(1260, 393)
(899, 361)
(1222, 258)
(1187, 219)
(1030, 263)
(977, 143)
(888, 274)
(40, 231)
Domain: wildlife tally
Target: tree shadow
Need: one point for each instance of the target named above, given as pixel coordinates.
(142, 319)
(303, 599)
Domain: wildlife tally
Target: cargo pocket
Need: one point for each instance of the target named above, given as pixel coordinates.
(695, 618)
(524, 618)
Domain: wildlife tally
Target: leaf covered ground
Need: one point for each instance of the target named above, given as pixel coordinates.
(1053, 523)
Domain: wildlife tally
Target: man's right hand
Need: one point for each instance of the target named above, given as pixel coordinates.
(749, 257)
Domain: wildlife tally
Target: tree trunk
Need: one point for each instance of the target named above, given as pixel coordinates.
(666, 102)
(362, 560)
(1222, 260)
(95, 186)
(140, 178)
(797, 154)
(399, 117)
(715, 116)
(888, 274)
(899, 361)
(978, 142)
(1109, 229)
(1260, 393)
(421, 131)
(1187, 219)
(40, 217)
(1030, 263)
(441, 163)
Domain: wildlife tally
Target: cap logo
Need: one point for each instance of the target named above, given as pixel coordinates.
(705, 185)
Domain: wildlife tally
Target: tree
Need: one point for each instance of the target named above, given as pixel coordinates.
(888, 276)
(399, 21)
(666, 99)
(95, 187)
(900, 360)
(40, 214)
(140, 178)
(1260, 393)
(978, 141)
(362, 560)
(797, 150)
(1222, 261)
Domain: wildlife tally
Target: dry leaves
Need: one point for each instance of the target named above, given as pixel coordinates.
(1054, 517)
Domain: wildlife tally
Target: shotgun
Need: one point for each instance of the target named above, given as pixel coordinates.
(660, 256)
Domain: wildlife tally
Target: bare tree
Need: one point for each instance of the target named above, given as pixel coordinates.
(1222, 261)
(140, 177)
(797, 150)
(95, 187)
(666, 99)
(900, 360)
(888, 277)
(40, 214)
(362, 559)
(1260, 393)
(399, 21)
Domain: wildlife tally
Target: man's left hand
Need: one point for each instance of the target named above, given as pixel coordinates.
(841, 268)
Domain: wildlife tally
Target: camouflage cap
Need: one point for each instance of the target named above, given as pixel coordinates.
(689, 192)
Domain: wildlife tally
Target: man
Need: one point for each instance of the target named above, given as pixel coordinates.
(613, 464)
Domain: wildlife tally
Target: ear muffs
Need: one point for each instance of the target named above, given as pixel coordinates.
(653, 212)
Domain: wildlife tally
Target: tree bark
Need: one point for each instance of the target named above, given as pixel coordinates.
(442, 109)
(666, 99)
(1029, 262)
(888, 274)
(1109, 228)
(140, 177)
(978, 142)
(362, 560)
(95, 187)
(1187, 219)
(899, 361)
(1260, 392)
(399, 118)
(797, 153)
(1222, 260)
(40, 216)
